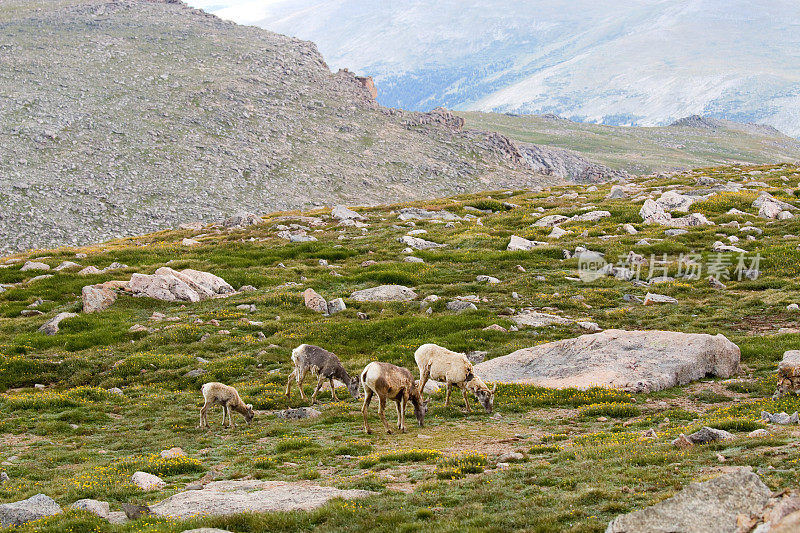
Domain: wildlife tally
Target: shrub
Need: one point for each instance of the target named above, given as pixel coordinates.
(459, 465)
(614, 410)
(399, 456)
(293, 443)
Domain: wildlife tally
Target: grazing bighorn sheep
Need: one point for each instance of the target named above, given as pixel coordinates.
(395, 383)
(454, 369)
(215, 393)
(322, 363)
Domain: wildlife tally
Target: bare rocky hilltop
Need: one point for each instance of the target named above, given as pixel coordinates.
(124, 117)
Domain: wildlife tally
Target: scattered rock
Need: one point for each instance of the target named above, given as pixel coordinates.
(557, 233)
(34, 265)
(134, 511)
(67, 265)
(511, 457)
(495, 327)
(675, 201)
(635, 361)
(460, 306)
(519, 244)
(781, 418)
(539, 320)
(419, 244)
(241, 220)
(341, 212)
(314, 301)
(51, 326)
(187, 285)
(707, 434)
(101, 509)
(190, 242)
(476, 356)
(758, 433)
(146, 481)
(550, 221)
(714, 283)
(172, 453)
(249, 496)
(652, 298)
(712, 506)
(24, 511)
(789, 373)
(336, 306)
(413, 213)
(197, 372)
(384, 293)
(487, 279)
(96, 298)
(4, 477)
(590, 216)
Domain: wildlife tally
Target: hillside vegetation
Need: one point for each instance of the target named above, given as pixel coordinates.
(582, 458)
(689, 143)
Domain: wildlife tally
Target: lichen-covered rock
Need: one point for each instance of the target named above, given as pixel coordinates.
(24, 511)
(341, 212)
(384, 293)
(101, 509)
(96, 298)
(185, 286)
(314, 301)
(51, 326)
(712, 506)
(789, 373)
(220, 498)
(241, 219)
(520, 244)
(146, 481)
(635, 361)
(420, 244)
(34, 265)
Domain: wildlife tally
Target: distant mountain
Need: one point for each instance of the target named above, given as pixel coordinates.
(617, 62)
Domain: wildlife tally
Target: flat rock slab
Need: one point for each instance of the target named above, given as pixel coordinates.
(635, 361)
(709, 507)
(384, 293)
(249, 496)
(24, 511)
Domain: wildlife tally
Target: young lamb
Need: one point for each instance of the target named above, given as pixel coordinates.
(322, 363)
(395, 383)
(454, 369)
(216, 393)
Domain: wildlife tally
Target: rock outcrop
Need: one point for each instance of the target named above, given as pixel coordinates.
(51, 326)
(789, 373)
(712, 506)
(635, 361)
(185, 286)
(249, 496)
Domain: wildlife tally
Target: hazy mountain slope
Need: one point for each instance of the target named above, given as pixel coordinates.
(118, 118)
(645, 62)
(690, 143)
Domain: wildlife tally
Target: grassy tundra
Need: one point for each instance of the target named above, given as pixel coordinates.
(584, 459)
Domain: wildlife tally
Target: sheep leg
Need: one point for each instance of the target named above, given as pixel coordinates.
(399, 414)
(424, 375)
(466, 401)
(224, 412)
(293, 375)
(402, 414)
(333, 391)
(301, 377)
(367, 400)
(230, 416)
(316, 390)
(381, 407)
(447, 398)
(203, 415)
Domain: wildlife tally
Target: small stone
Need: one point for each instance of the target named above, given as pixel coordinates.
(758, 433)
(172, 453)
(336, 306)
(461, 306)
(101, 509)
(511, 457)
(147, 482)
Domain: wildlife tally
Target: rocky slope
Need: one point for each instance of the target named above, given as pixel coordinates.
(122, 117)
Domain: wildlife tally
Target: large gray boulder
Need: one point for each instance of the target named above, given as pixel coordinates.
(314, 301)
(709, 507)
(635, 361)
(96, 298)
(249, 496)
(384, 293)
(34, 508)
(341, 212)
(51, 326)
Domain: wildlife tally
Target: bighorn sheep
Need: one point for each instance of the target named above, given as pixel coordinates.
(322, 363)
(454, 369)
(395, 383)
(215, 393)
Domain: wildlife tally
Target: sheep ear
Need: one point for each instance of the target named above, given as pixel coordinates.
(494, 388)
(249, 405)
